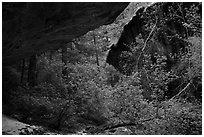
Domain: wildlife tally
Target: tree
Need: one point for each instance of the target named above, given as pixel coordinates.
(22, 70)
(32, 72)
(64, 60)
(94, 38)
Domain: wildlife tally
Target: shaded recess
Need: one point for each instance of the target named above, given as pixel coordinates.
(32, 28)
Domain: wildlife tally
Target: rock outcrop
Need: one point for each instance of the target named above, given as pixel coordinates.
(136, 29)
(168, 39)
(32, 28)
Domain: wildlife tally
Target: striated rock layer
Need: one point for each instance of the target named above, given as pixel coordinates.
(31, 28)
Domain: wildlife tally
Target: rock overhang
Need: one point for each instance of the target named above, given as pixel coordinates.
(32, 28)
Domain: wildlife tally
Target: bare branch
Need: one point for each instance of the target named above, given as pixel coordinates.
(181, 91)
(145, 44)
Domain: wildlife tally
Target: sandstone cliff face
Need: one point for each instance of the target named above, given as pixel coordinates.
(169, 39)
(31, 28)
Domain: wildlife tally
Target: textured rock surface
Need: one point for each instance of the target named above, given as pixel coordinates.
(31, 28)
(11, 126)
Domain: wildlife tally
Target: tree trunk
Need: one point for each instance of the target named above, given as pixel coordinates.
(64, 54)
(22, 70)
(56, 123)
(97, 60)
(107, 41)
(50, 57)
(64, 61)
(32, 71)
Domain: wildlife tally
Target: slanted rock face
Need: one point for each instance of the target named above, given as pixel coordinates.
(167, 40)
(130, 31)
(31, 28)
